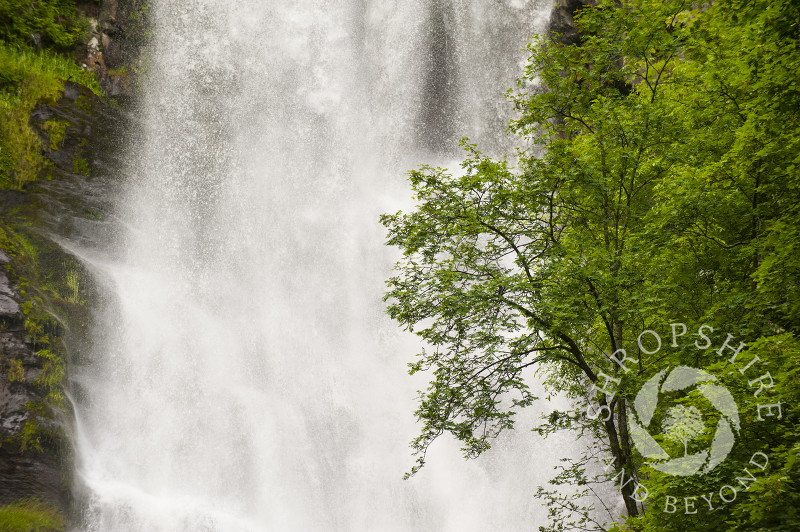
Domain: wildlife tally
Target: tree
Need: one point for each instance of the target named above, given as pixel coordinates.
(683, 424)
(43, 24)
(554, 263)
(643, 200)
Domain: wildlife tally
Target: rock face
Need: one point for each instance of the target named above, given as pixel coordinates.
(43, 305)
(8, 304)
(45, 291)
(117, 33)
(84, 160)
(24, 474)
(562, 20)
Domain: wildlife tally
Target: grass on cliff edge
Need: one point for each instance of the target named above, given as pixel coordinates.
(28, 79)
(30, 516)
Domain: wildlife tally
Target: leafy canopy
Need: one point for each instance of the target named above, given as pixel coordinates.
(658, 184)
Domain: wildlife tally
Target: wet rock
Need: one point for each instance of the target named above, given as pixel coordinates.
(8, 304)
(116, 36)
(562, 20)
(29, 477)
(68, 204)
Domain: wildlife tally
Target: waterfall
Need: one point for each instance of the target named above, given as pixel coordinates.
(244, 376)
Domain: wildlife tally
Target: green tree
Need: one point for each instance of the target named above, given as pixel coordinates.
(683, 424)
(655, 192)
(40, 23)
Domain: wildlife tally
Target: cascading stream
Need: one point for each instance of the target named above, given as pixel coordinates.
(246, 377)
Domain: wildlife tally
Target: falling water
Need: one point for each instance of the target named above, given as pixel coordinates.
(246, 376)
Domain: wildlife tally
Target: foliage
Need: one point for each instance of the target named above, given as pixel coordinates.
(30, 516)
(72, 279)
(42, 274)
(52, 377)
(28, 79)
(662, 188)
(37, 45)
(770, 500)
(56, 131)
(42, 23)
(683, 424)
(16, 372)
(19, 63)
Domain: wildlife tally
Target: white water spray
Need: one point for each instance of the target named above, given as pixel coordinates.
(246, 377)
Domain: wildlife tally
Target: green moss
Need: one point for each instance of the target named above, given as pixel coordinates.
(30, 516)
(138, 21)
(83, 104)
(49, 284)
(40, 434)
(72, 279)
(34, 328)
(16, 373)
(30, 439)
(20, 148)
(121, 71)
(92, 214)
(56, 132)
(52, 377)
(80, 166)
(18, 245)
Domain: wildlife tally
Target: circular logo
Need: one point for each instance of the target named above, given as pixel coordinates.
(683, 424)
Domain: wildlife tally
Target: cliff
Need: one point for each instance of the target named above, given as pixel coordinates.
(59, 149)
(44, 289)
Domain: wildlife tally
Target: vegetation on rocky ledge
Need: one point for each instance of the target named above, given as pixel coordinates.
(29, 79)
(38, 43)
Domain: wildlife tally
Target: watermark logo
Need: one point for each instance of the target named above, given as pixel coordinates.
(684, 424)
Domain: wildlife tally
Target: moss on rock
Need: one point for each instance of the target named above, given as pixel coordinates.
(30, 516)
